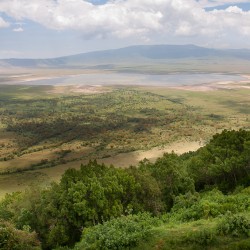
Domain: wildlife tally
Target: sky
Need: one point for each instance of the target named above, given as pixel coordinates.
(53, 28)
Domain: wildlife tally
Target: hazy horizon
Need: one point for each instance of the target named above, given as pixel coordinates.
(124, 47)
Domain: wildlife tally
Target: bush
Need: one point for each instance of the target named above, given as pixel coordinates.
(119, 233)
(187, 207)
(190, 207)
(235, 225)
(13, 239)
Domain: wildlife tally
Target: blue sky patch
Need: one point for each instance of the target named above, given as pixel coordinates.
(97, 2)
(243, 6)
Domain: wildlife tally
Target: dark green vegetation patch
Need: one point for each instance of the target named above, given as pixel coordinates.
(197, 200)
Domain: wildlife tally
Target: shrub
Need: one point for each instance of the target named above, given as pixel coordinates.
(187, 207)
(119, 233)
(211, 204)
(11, 238)
(235, 225)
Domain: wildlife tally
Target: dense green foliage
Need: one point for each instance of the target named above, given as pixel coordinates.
(211, 204)
(171, 175)
(221, 230)
(105, 202)
(235, 225)
(120, 233)
(182, 229)
(224, 162)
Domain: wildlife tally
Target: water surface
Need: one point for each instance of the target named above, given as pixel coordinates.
(176, 79)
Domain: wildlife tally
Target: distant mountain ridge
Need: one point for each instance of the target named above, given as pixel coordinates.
(132, 54)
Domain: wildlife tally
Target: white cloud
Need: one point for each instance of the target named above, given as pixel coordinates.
(3, 24)
(234, 9)
(132, 18)
(20, 29)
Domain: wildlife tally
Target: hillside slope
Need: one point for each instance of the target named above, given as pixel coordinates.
(132, 54)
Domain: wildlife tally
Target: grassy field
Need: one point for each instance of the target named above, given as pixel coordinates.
(45, 130)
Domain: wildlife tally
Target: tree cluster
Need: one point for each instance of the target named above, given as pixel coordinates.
(96, 193)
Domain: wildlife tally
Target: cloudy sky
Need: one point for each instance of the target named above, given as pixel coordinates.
(51, 28)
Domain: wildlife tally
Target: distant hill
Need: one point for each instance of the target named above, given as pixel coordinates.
(132, 54)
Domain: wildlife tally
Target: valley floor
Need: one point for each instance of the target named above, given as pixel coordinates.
(20, 181)
(47, 129)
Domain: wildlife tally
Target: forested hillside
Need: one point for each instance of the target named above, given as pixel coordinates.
(195, 200)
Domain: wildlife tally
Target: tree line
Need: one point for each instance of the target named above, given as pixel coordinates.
(95, 194)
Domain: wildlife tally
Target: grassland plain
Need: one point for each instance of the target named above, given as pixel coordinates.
(47, 129)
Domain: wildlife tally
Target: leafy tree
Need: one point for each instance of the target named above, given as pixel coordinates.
(95, 194)
(11, 238)
(149, 194)
(171, 175)
(84, 197)
(224, 162)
